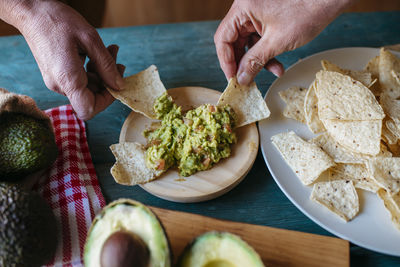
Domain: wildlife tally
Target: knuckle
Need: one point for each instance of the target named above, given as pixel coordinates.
(255, 64)
(90, 36)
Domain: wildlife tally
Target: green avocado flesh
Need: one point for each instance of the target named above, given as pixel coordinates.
(27, 145)
(28, 228)
(127, 216)
(219, 249)
(193, 142)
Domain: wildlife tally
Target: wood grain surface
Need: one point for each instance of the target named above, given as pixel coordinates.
(277, 247)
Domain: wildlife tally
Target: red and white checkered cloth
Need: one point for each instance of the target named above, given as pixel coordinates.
(71, 186)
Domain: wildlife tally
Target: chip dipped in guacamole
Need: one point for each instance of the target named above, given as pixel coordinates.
(192, 142)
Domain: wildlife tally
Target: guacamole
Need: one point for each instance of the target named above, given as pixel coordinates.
(193, 142)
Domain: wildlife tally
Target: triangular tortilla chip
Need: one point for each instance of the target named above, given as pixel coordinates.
(141, 90)
(391, 107)
(388, 136)
(339, 196)
(311, 111)
(396, 76)
(340, 154)
(130, 166)
(307, 160)
(294, 99)
(362, 76)
(387, 64)
(357, 173)
(392, 205)
(386, 172)
(358, 136)
(343, 98)
(393, 128)
(246, 101)
(373, 67)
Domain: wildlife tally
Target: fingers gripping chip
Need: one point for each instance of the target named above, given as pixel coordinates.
(246, 101)
(141, 90)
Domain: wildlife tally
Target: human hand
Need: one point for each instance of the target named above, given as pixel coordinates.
(269, 28)
(60, 39)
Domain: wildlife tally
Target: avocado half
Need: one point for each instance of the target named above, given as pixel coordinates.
(126, 233)
(219, 249)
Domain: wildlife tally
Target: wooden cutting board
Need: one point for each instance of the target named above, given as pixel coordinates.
(277, 247)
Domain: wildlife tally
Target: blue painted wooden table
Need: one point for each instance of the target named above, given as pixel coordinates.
(185, 56)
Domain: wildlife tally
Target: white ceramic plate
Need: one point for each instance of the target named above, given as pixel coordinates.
(372, 227)
(203, 185)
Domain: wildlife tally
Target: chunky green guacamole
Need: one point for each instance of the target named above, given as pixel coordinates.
(193, 142)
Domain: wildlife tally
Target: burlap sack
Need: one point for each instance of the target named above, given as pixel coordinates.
(10, 102)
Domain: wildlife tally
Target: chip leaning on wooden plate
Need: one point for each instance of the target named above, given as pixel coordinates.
(191, 140)
(356, 114)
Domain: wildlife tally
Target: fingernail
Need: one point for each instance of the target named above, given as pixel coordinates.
(275, 70)
(120, 82)
(244, 78)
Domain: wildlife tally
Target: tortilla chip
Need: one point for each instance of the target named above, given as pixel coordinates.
(141, 90)
(341, 154)
(394, 149)
(311, 111)
(357, 173)
(307, 160)
(391, 107)
(130, 166)
(393, 128)
(362, 76)
(387, 135)
(386, 172)
(246, 101)
(358, 136)
(392, 205)
(388, 63)
(339, 196)
(373, 67)
(343, 98)
(396, 76)
(294, 99)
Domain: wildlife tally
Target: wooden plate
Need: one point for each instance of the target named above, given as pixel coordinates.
(203, 185)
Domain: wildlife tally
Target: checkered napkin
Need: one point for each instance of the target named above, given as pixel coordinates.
(71, 186)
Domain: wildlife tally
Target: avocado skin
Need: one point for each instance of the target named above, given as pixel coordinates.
(27, 145)
(28, 228)
(153, 218)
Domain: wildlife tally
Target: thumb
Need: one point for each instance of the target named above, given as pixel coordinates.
(255, 59)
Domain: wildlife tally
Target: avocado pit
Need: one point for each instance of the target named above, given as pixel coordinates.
(124, 248)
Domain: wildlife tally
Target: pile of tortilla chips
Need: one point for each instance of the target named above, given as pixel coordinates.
(356, 115)
(140, 92)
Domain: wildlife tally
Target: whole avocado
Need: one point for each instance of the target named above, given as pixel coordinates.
(28, 228)
(27, 145)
